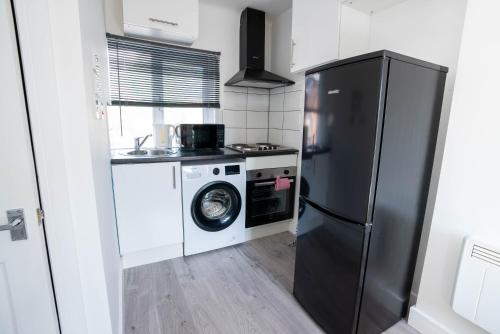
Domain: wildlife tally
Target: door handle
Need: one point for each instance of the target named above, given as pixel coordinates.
(173, 177)
(268, 183)
(170, 23)
(15, 224)
(292, 49)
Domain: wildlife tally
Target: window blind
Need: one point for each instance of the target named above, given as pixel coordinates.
(144, 73)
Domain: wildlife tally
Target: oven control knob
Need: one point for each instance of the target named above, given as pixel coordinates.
(259, 174)
(286, 171)
(216, 171)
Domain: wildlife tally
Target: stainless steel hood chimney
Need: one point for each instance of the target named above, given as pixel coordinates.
(252, 41)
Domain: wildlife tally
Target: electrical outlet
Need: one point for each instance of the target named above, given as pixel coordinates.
(100, 103)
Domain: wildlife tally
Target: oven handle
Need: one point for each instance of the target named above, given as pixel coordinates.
(268, 183)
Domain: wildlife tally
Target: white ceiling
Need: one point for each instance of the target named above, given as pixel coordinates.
(369, 6)
(271, 7)
(276, 7)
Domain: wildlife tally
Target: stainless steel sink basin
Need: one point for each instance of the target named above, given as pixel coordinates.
(159, 152)
(151, 153)
(139, 152)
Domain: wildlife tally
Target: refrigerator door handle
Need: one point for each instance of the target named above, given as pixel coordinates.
(330, 213)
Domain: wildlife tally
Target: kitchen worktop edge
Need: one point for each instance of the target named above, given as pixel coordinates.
(118, 157)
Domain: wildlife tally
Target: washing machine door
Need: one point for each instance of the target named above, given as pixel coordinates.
(216, 206)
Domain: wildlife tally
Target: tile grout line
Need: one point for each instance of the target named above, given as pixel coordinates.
(268, 115)
(246, 119)
(283, 119)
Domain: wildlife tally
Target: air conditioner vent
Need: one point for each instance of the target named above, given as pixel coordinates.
(486, 254)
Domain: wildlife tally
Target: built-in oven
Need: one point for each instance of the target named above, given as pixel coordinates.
(267, 203)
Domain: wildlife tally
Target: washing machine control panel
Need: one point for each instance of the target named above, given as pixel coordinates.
(193, 172)
(232, 169)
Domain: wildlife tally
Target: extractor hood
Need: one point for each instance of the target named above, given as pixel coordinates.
(252, 41)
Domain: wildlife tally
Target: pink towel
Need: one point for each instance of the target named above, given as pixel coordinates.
(281, 184)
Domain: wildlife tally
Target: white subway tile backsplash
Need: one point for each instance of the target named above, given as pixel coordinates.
(256, 136)
(292, 120)
(293, 101)
(292, 138)
(235, 101)
(257, 119)
(261, 91)
(276, 136)
(233, 136)
(257, 102)
(235, 89)
(235, 118)
(299, 85)
(278, 90)
(275, 119)
(261, 115)
(219, 116)
(276, 102)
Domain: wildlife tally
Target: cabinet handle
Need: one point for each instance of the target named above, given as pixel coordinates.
(292, 63)
(173, 24)
(173, 177)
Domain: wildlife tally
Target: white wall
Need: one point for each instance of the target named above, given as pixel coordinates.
(429, 30)
(92, 28)
(468, 198)
(77, 31)
(243, 111)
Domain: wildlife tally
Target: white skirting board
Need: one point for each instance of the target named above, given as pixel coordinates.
(425, 323)
(152, 255)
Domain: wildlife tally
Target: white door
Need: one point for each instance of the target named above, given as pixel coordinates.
(26, 298)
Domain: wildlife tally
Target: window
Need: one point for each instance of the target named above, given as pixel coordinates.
(128, 122)
(156, 83)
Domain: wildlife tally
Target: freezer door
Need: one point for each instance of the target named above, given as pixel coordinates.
(340, 125)
(328, 266)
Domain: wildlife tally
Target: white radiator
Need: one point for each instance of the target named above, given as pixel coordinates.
(477, 290)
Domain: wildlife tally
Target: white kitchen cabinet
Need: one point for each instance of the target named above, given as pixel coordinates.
(148, 203)
(168, 20)
(315, 33)
(354, 32)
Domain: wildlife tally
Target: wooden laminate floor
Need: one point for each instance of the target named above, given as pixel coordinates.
(241, 289)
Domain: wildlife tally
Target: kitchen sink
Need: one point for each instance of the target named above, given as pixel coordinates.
(139, 152)
(151, 153)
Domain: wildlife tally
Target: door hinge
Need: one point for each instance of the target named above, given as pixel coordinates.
(40, 216)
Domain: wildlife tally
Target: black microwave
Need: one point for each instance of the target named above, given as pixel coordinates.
(201, 136)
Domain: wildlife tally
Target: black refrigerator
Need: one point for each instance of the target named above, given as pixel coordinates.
(370, 129)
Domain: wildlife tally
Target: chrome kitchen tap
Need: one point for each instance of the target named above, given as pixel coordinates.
(138, 142)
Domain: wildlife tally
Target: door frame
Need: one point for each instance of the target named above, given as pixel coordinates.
(76, 295)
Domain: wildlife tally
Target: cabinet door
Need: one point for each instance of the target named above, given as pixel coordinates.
(315, 33)
(148, 205)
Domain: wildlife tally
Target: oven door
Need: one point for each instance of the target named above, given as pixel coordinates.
(266, 205)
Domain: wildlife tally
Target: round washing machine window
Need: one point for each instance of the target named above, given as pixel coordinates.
(216, 206)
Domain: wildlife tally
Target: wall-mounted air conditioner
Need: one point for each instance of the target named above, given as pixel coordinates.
(477, 289)
(165, 20)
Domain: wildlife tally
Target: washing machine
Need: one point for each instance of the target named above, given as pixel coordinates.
(213, 199)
